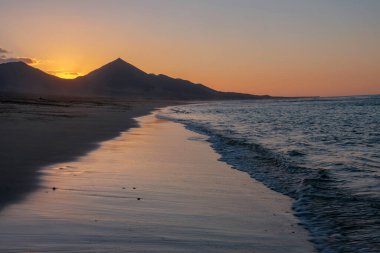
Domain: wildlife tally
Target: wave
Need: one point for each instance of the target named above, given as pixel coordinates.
(338, 219)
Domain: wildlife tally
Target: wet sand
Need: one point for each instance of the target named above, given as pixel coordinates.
(157, 188)
(35, 132)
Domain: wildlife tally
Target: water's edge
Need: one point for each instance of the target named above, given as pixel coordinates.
(334, 215)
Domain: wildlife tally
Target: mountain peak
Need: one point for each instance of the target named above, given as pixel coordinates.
(120, 63)
(119, 60)
(117, 69)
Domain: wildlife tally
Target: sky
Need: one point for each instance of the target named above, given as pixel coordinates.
(276, 47)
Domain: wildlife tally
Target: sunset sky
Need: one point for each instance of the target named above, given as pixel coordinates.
(276, 47)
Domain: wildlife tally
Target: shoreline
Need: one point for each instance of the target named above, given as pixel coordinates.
(155, 188)
(39, 131)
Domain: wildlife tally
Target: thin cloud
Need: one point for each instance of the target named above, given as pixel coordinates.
(56, 72)
(30, 61)
(5, 59)
(65, 74)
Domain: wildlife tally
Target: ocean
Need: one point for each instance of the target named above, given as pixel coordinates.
(322, 152)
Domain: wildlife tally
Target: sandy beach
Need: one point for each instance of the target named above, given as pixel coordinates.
(38, 131)
(156, 188)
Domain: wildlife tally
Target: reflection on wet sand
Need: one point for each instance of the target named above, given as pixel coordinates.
(158, 188)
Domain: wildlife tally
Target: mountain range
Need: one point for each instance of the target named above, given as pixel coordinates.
(117, 78)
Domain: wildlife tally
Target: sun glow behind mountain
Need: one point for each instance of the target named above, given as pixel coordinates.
(65, 74)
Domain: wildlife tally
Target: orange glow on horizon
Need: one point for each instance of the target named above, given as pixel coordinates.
(66, 74)
(264, 47)
(305, 83)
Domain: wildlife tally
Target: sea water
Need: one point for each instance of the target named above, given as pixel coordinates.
(322, 152)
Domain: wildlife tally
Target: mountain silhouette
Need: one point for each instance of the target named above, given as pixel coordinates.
(18, 77)
(117, 78)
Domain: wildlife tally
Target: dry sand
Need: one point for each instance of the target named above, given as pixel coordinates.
(158, 188)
